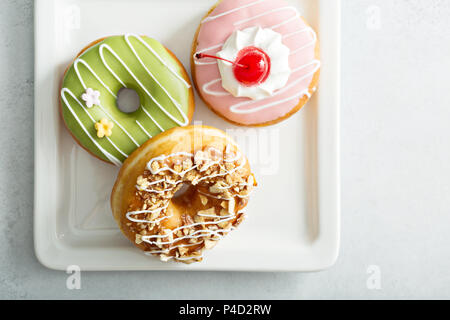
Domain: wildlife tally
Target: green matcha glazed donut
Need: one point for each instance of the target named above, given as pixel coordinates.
(91, 84)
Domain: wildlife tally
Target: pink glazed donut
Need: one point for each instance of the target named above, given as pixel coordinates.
(275, 27)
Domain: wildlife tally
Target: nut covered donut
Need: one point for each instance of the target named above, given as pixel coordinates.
(149, 208)
(90, 90)
(255, 62)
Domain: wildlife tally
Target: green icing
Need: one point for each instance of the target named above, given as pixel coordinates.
(176, 88)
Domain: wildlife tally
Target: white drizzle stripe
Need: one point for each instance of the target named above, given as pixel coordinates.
(157, 56)
(120, 126)
(190, 155)
(117, 148)
(223, 92)
(245, 103)
(107, 47)
(214, 93)
(179, 258)
(309, 44)
(218, 233)
(225, 199)
(93, 121)
(197, 62)
(93, 72)
(110, 157)
(107, 88)
(155, 221)
(197, 234)
(151, 118)
(288, 35)
(173, 247)
(268, 13)
(143, 129)
(134, 213)
(207, 19)
(270, 104)
(159, 181)
(189, 258)
(148, 71)
(235, 108)
(297, 15)
(225, 171)
(214, 197)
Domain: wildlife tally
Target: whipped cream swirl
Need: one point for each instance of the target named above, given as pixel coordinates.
(268, 41)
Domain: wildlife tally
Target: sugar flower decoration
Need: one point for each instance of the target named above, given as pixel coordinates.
(91, 97)
(104, 128)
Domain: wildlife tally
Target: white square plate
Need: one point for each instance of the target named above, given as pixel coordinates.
(293, 218)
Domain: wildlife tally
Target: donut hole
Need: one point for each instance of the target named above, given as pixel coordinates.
(128, 100)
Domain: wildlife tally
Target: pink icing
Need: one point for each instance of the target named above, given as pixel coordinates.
(232, 15)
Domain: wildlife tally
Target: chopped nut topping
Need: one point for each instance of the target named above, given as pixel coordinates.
(199, 219)
(155, 165)
(183, 250)
(142, 182)
(216, 188)
(209, 244)
(208, 212)
(203, 199)
(164, 257)
(187, 219)
(227, 184)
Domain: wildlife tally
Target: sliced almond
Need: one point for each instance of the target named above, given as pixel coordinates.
(209, 244)
(209, 212)
(203, 199)
(182, 250)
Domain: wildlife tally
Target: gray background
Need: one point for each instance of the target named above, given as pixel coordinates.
(395, 170)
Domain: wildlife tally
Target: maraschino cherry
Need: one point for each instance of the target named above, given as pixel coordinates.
(252, 65)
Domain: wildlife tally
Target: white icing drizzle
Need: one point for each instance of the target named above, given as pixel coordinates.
(107, 47)
(218, 233)
(173, 247)
(151, 74)
(195, 235)
(309, 44)
(127, 36)
(297, 15)
(143, 129)
(109, 156)
(77, 71)
(220, 45)
(210, 18)
(212, 92)
(236, 108)
(119, 125)
(201, 63)
(221, 92)
(93, 121)
(89, 68)
(106, 87)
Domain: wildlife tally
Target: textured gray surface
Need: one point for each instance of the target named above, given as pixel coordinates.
(395, 172)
